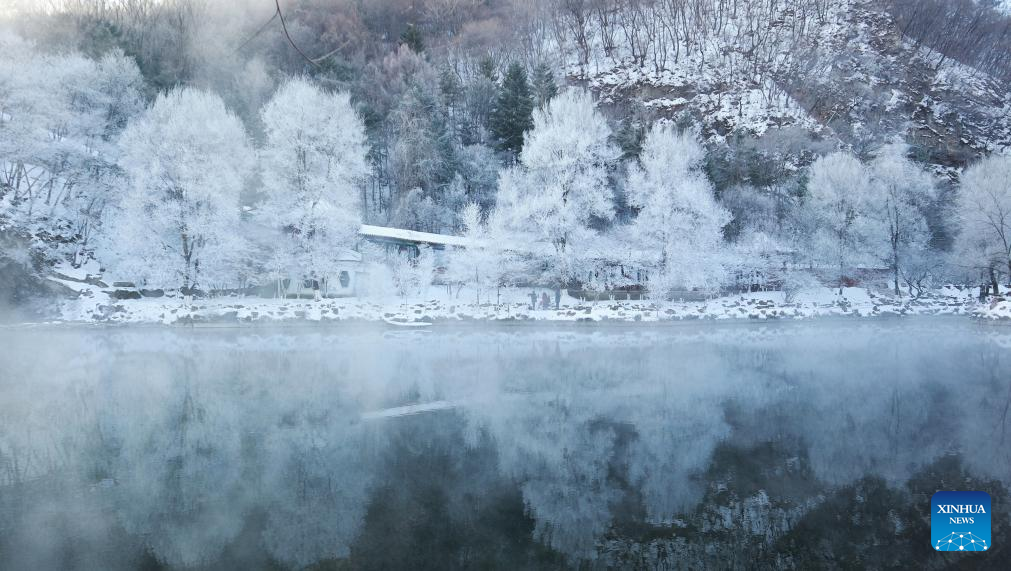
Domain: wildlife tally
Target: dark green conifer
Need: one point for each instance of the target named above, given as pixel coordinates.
(543, 85)
(411, 37)
(513, 112)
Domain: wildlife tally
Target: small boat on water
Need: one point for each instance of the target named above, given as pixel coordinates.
(409, 410)
(412, 324)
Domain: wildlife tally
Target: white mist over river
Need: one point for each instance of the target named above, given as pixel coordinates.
(738, 445)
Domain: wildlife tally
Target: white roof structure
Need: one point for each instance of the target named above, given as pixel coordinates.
(413, 236)
(349, 256)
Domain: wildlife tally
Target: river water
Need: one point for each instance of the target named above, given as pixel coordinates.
(772, 445)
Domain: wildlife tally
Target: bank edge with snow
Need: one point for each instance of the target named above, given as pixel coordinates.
(818, 302)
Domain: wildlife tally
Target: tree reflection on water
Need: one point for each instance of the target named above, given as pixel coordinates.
(783, 445)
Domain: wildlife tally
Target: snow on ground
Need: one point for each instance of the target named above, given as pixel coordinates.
(443, 306)
(80, 274)
(852, 56)
(995, 310)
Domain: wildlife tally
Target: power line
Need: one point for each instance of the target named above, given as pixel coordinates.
(284, 26)
(256, 34)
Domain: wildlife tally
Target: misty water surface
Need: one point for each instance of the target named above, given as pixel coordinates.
(775, 445)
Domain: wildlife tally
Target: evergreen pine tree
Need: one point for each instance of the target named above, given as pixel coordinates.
(411, 37)
(486, 67)
(629, 137)
(544, 85)
(478, 101)
(440, 136)
(450, 87)
(451, 91)
(513, 112)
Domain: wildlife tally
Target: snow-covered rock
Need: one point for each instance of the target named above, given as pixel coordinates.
(514, 305)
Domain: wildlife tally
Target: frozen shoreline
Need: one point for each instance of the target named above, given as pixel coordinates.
(94, 306)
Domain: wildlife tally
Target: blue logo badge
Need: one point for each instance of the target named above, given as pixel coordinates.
(960, 521)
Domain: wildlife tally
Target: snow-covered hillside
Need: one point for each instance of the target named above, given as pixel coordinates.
(589, 145)
(849, 77)
(1003, 6)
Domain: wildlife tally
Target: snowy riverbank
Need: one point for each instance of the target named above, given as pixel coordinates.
(440, 305)
(996, 310)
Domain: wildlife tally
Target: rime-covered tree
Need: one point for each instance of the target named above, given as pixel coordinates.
(186, 160)
(412, 275)
(478, 263)
(840, 197)
(901, 192)
(984, 217)
(561, 184)
(313, 164)
(451, 92)
(423, 156)
(512, 115)
(479, 95)
(679, 222)
(59, 117)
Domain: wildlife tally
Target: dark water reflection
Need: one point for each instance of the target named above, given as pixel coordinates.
(796, 445)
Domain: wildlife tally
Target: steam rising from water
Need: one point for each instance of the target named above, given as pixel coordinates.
(186, 443)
